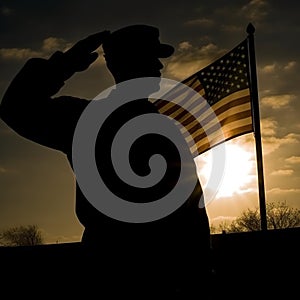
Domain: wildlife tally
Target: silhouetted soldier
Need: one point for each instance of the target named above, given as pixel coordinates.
(173, 251)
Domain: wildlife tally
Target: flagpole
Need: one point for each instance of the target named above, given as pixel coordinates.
(256, 121)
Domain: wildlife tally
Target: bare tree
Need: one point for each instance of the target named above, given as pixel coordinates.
(282, 216)
(248, 221)
(29, 235)
(279, 216)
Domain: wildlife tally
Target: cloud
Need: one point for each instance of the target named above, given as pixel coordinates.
(223, 218)
(49, 45)
(276, 68)
(279, 191)
(268, 69)
(189, 59)
(290, 195)
(184, 46)
(255, 10)
(271, 143)
(269, 139)
(52, 44)
(293, 160)
(278, 101)
(268, 126)
(289, 66)
(282, 172)
(18, 53)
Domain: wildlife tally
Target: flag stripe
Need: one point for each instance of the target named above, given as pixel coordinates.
(184, 98)
(217, 129)
(177, 92)
(221, 134)
(235, 133)
(200, 109)
(219, 118)
(211, 114)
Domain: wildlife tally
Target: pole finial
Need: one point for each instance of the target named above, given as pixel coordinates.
(250, 28)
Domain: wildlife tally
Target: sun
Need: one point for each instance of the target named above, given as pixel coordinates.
(237, 175)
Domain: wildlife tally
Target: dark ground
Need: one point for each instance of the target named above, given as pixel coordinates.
(246, 265)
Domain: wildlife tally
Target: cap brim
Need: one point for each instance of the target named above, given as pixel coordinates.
(165, 50)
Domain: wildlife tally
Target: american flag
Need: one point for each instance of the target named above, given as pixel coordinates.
(226, 111)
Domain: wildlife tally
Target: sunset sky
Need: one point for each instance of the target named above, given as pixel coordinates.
(36, 183)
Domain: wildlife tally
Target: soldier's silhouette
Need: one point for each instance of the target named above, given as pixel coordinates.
(160, 255)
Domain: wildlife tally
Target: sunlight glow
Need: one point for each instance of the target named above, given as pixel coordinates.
(238, 171)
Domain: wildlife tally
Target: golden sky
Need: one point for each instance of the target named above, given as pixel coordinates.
(37, 184)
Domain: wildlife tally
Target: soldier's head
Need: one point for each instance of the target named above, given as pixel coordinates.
(135, 51)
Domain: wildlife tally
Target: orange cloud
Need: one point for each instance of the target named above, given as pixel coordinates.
(278, 101)
(293, 160)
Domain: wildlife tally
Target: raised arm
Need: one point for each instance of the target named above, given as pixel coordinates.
(28, 105)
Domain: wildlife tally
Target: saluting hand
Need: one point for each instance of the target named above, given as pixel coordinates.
(82, 54)
(79, 57)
